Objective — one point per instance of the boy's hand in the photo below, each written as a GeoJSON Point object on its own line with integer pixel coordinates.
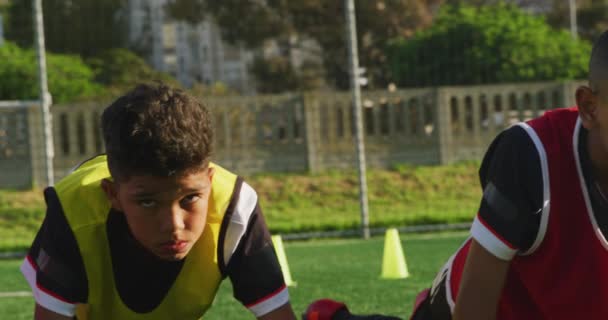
{"type": "Point", "coordinates": [282, 313]}
{"type": "Point", "coordinates": [327, 309]}
{"type": "Point", "coordinates": [41, 313]}
{"type": "Point", "coordinates": [324, 309]}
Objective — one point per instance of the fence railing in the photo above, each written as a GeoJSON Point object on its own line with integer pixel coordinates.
{"type": "Point", "coordinates": [16, 142]}
{"type": "Point", "coordinates": [301, 132]}
{"type": "Point", "coordinates": [473, 116]}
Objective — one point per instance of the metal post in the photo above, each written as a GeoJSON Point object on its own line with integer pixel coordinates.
{"type": "Point", "coordinates": [1, 33]}
{"type": "Point", "coordinates": [353, 56]}
{"type": "Point", "coordinates": [45, 97]}
{"type": "Point", "coordinates": [573, 24]}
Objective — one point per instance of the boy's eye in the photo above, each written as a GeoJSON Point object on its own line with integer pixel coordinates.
{"type": "Point", "coordinates": [191, 198]}
{"type": "Point", "coordinates": [147, 203]}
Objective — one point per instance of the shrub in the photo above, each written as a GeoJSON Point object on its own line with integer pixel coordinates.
{"type": "Point", "coordinates": [489, 44]}
{"type": "Point", "coordinates": [69, 77]}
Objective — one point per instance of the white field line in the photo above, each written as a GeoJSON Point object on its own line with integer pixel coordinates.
{"type": "Point", "coordinates": [403, 237]}
{"type": "Point", "coordinates": [14, 294]}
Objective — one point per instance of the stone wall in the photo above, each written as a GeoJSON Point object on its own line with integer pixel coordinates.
{"type": "Point", "coordinates": [301, 132]}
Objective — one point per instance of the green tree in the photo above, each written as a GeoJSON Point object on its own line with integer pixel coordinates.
{"type": "Point", "coordinates": [120, 70]}
{"type": "Point", "coordinates": [592, 17]}
{"type": "Point", "coordinates": [488, 44]}
{"type": "Point", "coordinates": [84, 27]}
{"type": "Point", "coordinates": [69, 77]}
{"type": "Point", "coordinates": [274, 75]}
{"type": "Point", "coordinates": [252, 22]}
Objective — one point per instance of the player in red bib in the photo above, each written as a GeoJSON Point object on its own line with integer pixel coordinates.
{"type": "Point", "coordinates": [538, 247]}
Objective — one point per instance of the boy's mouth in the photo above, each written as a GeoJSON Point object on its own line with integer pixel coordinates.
{"type": "Point", "coordinates": [175, 246]}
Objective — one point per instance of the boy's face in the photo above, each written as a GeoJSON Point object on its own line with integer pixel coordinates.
{"type": "Point", "coordinates": [593, 108]}
{"type": "Point", "coordinates": [166, 215]}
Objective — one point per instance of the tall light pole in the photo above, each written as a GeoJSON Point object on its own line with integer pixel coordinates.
{"type": "Point", "coordinates": [45, 97]}
{"type": "Point", "coordinates": [573, 24]}
{"type": "Point", "coordinates": [1, 33]}
{"type": "Point", "coordinates": [351, 30]}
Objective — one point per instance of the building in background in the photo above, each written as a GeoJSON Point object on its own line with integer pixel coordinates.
{"type": "Point", "coordinates": [191, 53]}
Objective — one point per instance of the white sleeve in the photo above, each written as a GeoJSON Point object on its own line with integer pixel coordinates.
{"type": "Point", "coordinates": [44, 297]}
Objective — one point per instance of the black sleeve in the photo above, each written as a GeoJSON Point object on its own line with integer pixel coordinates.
{"type": "Point", "coordinates": [55, 257]}
{"type": "Point", "coordinates": [511, 179]}
{"type": "Point", "coordinates": [254, 269]}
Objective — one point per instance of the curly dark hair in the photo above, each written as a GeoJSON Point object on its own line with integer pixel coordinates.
{"type": "Point", "coordinates": [156, 130]}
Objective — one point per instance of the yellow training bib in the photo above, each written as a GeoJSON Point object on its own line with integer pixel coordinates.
{"type": "Point", "coordinates": [86, 208]}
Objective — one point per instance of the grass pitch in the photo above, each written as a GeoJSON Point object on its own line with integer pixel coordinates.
{"type": "Point", "coordinates": [345, 270]}
{"type": "Point", "coordinates": [297, 202]}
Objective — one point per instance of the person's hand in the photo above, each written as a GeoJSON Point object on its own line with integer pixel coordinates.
{"type": "Point", "coordinates": [324, 309]}
{"type": "Point", "coordinates": [327, 309]}
{"type": "Point", "coordinates": [41, 313]}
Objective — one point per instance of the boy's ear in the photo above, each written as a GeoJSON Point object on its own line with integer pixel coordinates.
{"type": "Point", "coordinates": [210, 173]}
{"type": "Point", "coordinates": [586, 101]}
{"type": "Point", "coordinates": [111, 190]}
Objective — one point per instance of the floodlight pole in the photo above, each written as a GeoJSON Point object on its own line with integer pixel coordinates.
{"type": "Point", "coordinates": [573, 22]}
{"type": "Point", "coordinates": [353, 56]}
{"type": "Point", "coordinates": [45, 96]}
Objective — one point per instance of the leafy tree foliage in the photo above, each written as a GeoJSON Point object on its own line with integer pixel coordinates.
{"type": "Point", "coordinates": [120, 70]}
{"type": "Point", "coordinates": [84, 27]}
{"type": "Point", "coordinates": [68, 76]}
{"type": "Point", "coordinates": [252, 22]}
{"type": "Point", "coordinates": [487, 44]}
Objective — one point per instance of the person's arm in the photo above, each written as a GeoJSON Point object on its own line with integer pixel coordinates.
{"type": "Point", "coordinates": [482, 282]}
{"type": "Point", "coordinates": [248, 258]}
{"type": "Point", "coordinates": [507, 223]}
{"type": "Point", "coordinates": [53, 266]}
{"type": "Point", "coordinates": [284, 312]}
{"type": "Point", "coordinates": [41, 313]}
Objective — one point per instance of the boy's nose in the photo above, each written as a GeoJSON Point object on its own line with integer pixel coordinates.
{"type": "Point", "coordinates": [173, 220]}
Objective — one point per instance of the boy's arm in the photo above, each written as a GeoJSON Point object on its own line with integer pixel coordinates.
{"type": "Point", "coordinates": [507, 223]}
{"type": "Point", "coordinates": [53, 266]}
{"type": "Point", "coordinates": [284, 312]}
{"type": "Point", "coordinates": [248, 258]}
{"type": "Point", "coordinates": [482, 282]}
{"type": "Point", "coordinates": [41, 313]}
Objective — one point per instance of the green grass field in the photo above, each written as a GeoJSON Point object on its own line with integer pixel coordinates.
{"type": "Point", "coordinates": [346, 270]}
{"type": "Point", "coordinates": [405, 195]}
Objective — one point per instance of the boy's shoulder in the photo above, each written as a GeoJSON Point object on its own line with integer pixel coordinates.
{"type": "Point", "coordinates": [230, 181]}
{"type": "Point", "coordinates": [80, 193]}
{"type": "Point", "coordinates": [221, 172]}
